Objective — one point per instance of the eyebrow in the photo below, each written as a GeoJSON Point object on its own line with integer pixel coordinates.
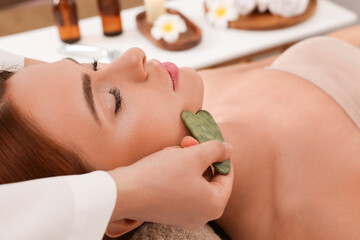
{"type": "Point", "coordinates": [88, 94]}
{"type": "Point", "coordinates": [72, 59]}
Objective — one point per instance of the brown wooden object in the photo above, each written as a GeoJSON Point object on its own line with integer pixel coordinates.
{"type": "Point", "coordinates": [268, 21]}
{"type": "Point", "coordinates": [188, 39]}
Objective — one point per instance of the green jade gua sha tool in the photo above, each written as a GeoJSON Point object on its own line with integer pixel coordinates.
{"type": "Point", "coordinates": [204, 128]}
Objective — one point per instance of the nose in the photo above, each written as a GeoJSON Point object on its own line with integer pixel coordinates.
{"type": "Point", "coordinates": [131, 64]}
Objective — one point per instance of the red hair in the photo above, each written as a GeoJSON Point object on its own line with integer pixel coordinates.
{"type": "Point", "coordinates": [25, 150]}
{"type": "Point", "coordinates": [27, 153]}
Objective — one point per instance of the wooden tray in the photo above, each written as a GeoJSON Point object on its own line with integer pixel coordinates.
{"type": "Point", "coordinates": [267, 21]}
{"type": "Point", "coordinates": [188, 39]}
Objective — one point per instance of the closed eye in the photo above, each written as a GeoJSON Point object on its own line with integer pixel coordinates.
{"type": "Point", "coordinates": [118, 98]}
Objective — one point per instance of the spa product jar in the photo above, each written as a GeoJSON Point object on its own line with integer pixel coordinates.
{"type": "Point", "coordinates": [66, 18]}
{"type": "Point", "coordinates": [109, 11]}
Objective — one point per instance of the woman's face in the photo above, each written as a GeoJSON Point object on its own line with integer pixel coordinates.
{"type": "Point", "coordinates": [76, 105]}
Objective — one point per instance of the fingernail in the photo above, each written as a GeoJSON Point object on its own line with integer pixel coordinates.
{"type": "Point", "coordinates": [228, 147]}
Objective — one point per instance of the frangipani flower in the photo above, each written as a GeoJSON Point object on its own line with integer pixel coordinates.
{"type": "Point", "coordinates": [263, 5]}
{"type": "Point", "coordinates": [288, 8]}
{"type": "Point", "coordinates": [208, 3]}
{"type": "Point", "coordinates": [168, 27]}
{"type": "Point", "coordinates": [245, 7]}
{"type": "Point", "coordinates": [221, 12]}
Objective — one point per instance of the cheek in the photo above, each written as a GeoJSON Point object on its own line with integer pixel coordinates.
{"type": "Point", "coordinates": [157, 130]}
{"type": "Point", "coordinates": [148, 128]}
{"type": "Point", "coordinates": [141, 143]}
{"type": "Point", "coordinates": [150, 120]}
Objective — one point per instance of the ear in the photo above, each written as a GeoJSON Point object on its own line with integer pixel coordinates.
{"type": "Point", "coordinates": [120, 227]}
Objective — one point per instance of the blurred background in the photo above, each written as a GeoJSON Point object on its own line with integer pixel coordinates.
{"type": "Point", "coordinates": [23, 15]}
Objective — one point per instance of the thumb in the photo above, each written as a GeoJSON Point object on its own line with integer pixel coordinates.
{"type": "Point", "coordinates": [209, 152]}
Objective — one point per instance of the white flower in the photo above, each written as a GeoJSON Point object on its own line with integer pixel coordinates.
{"type": "Point", "coordinates": [221, 12]}
{"type": "Point", "coordinates": [208, 3]}
{"type": "Point", "coordinates": [245, 7]}
{"type": "Point", "coordinates": [262, 5]}
{"type": "Point", "coordinates": [168, 27]}
{"type": "Point", "coordinates": [288, 8]}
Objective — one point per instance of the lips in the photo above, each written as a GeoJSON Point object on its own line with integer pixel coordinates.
{"type": "Point", "coordinates": [173, 71]}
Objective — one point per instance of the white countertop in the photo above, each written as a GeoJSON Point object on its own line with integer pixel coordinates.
{"type": "Point", "coordinates": [218, 45]}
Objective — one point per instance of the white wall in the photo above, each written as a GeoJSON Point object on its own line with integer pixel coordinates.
{"type": "Point", "coordinates": [353, 5]}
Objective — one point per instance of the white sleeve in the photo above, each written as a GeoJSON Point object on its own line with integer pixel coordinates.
{"type": "Point", "coordinates": [10, 61]}
{"type": "Point", "coordinates": [68, 207]}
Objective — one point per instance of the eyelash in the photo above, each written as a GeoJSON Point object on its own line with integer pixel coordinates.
{"type": "Point", "coordinates": [114, 91]}
{"type": "Point", "coordinates": [95, 64]}
{"type": "Point", "coordinates": [118, 98]}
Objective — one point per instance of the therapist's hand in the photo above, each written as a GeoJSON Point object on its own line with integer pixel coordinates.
{"type": "Point", "coordinates": [168, 186]}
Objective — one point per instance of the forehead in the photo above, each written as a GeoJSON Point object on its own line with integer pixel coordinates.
{"type": "Point", "coordinates": [41, 85]}
{"type": "Point", "coordinates": [51, 95]}
{"type": "Point", "coordinates": [57, 75]}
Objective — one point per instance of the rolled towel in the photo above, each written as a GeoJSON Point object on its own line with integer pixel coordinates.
{"type": "Point", "coordinates": [10, 61]}
{"type": "Point", "coordinates": [245, 7]}
{"type": "Point", "coordinates": [288, 8]}
{"type": "Point", "coordinates": [154, 231]}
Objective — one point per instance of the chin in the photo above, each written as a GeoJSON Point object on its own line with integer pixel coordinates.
{"type": "Point", "coordinates": [193, 88]}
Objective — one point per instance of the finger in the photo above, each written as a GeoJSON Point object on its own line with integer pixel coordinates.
{"type": "Point", "coordinates": [223, 184]}
{"type": "Point", "coordinates": [209, 152]}
{"type": "Point", "coordinates": [173, 147]}
{"type": "Point", "coordinates": [188, 141]}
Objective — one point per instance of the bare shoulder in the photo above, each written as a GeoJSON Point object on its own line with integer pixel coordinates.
{"type": "Point", "coordinates": [299, 145]}
{"type": "Point", "coordinates": [215, 73]}
{"type": "Point", "coordinates": [316, 171]}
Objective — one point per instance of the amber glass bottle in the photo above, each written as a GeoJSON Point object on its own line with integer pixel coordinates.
{"type": "Point", "coordinates": [110, 16]}
{"type": "Point", "coordinates": [66, 18]}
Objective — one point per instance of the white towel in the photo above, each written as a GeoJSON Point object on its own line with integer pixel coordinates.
{"type": "Point", "coordinates": [11, 62]}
